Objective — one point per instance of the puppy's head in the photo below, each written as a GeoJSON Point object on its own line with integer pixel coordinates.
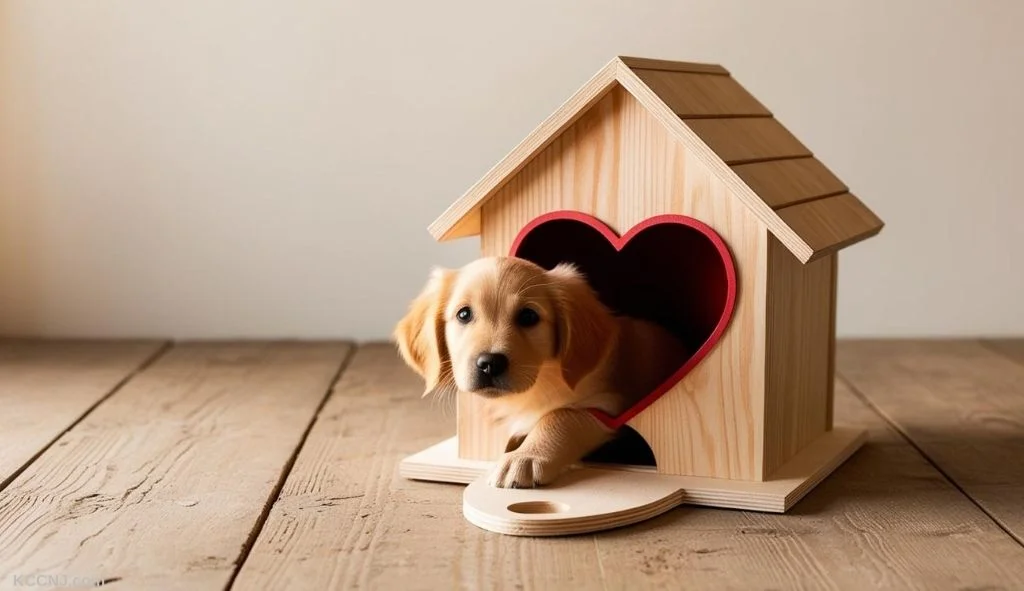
{"type": "Point", "coordinates": [491, 325]}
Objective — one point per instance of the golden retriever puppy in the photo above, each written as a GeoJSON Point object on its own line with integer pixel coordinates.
{"type": "Point", "coordinates": [540, 347]}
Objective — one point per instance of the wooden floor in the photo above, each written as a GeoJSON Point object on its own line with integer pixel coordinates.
{"type": "Point", "coordinates": [150, 465]}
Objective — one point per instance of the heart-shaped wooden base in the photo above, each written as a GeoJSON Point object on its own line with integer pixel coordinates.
{"type": "Point", "coordinates": [582, 501]}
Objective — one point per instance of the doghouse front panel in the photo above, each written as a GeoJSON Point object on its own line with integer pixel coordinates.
{"type": "Point", "coordinates": [618, 164]}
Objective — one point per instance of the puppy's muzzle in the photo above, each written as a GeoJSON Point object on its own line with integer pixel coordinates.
{"type": "Point", "coordinates": [492, 365]}
{"type": "Point", "coordinates": [490, 369]}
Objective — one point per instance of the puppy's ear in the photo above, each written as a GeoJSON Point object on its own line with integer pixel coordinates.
{"type": "Point", "coordinates": [585, 326]}
{"type": "Point", "coordinates": [420, 333]}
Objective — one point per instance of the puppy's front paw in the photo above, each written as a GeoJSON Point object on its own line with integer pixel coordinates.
{"type": "Point", "coordinates": [520, 470]}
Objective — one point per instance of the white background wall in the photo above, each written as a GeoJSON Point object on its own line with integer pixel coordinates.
{"type": "Point", "coordinates": [212, 168]}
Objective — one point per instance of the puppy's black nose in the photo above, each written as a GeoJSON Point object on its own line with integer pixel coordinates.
{"type": "Point", "coordinates": [492, 364]}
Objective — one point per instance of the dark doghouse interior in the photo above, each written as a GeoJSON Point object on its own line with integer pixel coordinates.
{"type": "Point", "coordinates": [627, 448]}
{"type": "Point", "coordinates": [668, 273]}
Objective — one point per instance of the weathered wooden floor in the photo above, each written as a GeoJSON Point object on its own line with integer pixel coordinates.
{"type": "Point", "coordinates": [149, 465]}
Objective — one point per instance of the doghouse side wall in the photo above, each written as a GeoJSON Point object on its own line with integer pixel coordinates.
{"type": "Point", "coordinates": [799, 362]}
{"type": "Point", "coordinates": [620, 165]}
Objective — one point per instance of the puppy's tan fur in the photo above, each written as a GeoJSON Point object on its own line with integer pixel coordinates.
{"type": "Point", "coordinates": [577, 356]}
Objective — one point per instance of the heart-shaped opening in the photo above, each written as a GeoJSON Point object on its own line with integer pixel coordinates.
{"type": "Point", "coordinates": [670, 269]}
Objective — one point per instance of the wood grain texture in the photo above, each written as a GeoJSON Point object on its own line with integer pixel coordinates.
{"type": "Point", "coordinates": [45, 386]}
{"type": "Point", "coordinates": [346, 520]}
{"type": "Point", "coordinates": [961, 403]}
{"type": "Point", "coordinates": [738, 141]}
{"type": "Point", "coordinates": [885, 520]}
{"type": "Point", "coordinates": [833, 223]}
{"type": "Point", "coordinates": [787, 182]}
{"type": "Point", "coordinates": [673, 66]}
{"type": "Point", "coordinates": [702, 95]}
{"type": "Point", "coordinates": [798, 343]}
{"type": "Point", "coordinates": [450, 224]}
{"type": "Point", "coordinates": [619, 164]}
{"type": "Point", "coordinates": [161, 486]}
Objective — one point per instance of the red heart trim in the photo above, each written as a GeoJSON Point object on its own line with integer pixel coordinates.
{"type": "Point", "coordinates": [700, 252]}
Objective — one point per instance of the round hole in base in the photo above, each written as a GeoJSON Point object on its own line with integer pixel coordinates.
{"type": "Point", "coordinates": [536, 507]}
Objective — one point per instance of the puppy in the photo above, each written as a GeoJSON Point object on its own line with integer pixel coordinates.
{"type": "Point", "coordinates": [540, 347]}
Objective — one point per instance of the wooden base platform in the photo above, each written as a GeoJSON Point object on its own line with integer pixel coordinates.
{"type": "Point", "coordinates": [626, 494]}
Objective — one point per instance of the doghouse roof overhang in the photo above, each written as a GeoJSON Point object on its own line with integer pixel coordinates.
{"type": "Point", "coordinates": [801, 202]}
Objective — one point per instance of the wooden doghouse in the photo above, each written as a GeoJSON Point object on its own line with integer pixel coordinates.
{"type": "Point", "coordinates": [670, 180]}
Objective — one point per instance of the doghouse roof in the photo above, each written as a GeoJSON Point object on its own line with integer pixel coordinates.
{"type": "Point", "coordinates": [802, 203]}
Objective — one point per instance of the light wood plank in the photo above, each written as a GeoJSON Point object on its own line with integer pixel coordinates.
{"type": "Point", "coordinates": [787, 182]}
{"type": "Point", "coordinates": [885, 520]}
{"type": "Point", "coordinates": [799, 317]}
{"type": "Point", "coordinates": [672, 66]}
{"type": "Point", "coordinates": [830, 224]}
{"type": "Point", "coordinates": [162, 485]}
{"type": "Point", "coordinates": [620, 164]}
{"type": "Point", "coordinates": [961, 403]}
{"type": "Point", "coordinates": [346, 520]}
{"type": "Point", "coordinates": [736, 141]}
{"type": "Point", "coordinates": [45, 386]}
{"type": "Point", "coordinates": [702, 95]}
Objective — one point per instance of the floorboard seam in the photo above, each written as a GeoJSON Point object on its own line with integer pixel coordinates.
{"type": "Point", "coordinates": [286, 470]}
{"type": "Point", "coordinates": [146, 363]}
{"type": "Point", "coordinates": [600, 565]}
{"type": "Point", "coordinates": [906, 437]}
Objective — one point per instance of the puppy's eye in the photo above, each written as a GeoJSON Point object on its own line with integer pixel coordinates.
{"type": "Point", "coordinates": [527, 317]}
{"type": "Point", "coordinates": [464, 314]}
